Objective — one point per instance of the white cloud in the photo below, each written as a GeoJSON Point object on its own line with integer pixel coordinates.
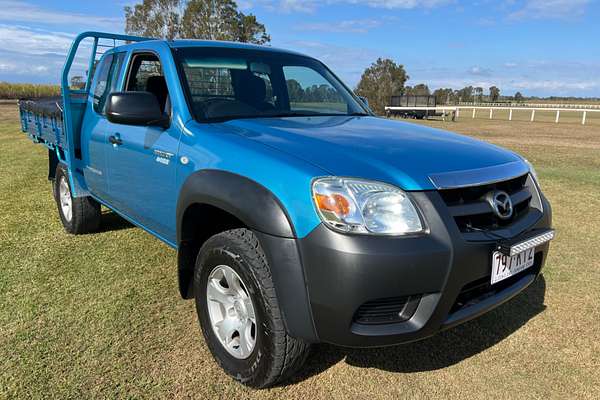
{"type": "Point", "coordinates": [350, 26]}
{"type": "Point", "coordinates": [30, 66]}
{"type": "Point", "coordinates": [24, 40]}
{"type": "Point", "coordinates": [37, 55]}
{"type": "Point", "coordinates": [290, 6]}
{"type": "Point", "coordinates": [557, 86]}
{"type": "Point", "coordinates": [6, 66]}
{"type": "Point", "coordinates": [18, 11]}
{"type": "Point", "coordinates": [309, 6]}
{"type": "Point", "coordinates": [405, 4]}
{"type": "Point", "coordinates": [480, 71]}
{"type": "Point", "coordinates": [550, 9]}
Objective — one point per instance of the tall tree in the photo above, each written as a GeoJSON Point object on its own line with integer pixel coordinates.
{"type": "Point", "coordinates": [518, 97]}
{"type": "Point", "coordinates": [194, 19]}
{"type": "Point", "coordinates": [479, 94]}
{"type": "Point", "coordinates": [382, 80]}
{"type": "Point", "coordinates": [494, 94]}
{"type": "Point", "coordinates": [154, 18]}
{"type": "Point", "coordinates": [418, 90]}
{"type": "Point", "coordinates": [465, 94]}
{"type": "Point", "coordinates": [444, 96]}
{"type": "Point", "coordinates": [250, 30]}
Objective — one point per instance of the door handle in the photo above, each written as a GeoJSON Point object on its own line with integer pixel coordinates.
{"type": "Point", "coordinates": [115, 140]}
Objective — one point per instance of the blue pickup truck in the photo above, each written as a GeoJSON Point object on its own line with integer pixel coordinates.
{"type": "Point", "coordinates": [298, 216]}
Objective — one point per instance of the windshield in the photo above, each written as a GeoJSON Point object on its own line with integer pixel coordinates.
{"type": "Point", "coordinates": [225, 83]}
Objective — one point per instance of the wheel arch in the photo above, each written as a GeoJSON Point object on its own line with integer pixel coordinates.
{"type": "Point", "coordinates": [212, 201]}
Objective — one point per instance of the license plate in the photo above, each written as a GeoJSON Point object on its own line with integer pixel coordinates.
{"type": "Point", "coordinates": [504, 266]}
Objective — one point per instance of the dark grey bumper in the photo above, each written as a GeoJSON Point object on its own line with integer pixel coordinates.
{"type": "Point", "coordinates": [341, 272]}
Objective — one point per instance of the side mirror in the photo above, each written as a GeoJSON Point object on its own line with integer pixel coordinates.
{"type": "Point", "coordinates": [364, 100]}
{"type": "Point", "coordinates": [135, 108]}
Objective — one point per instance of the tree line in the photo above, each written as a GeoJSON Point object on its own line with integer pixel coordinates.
{"type": "Point", "coordinates": [384, 79]}
{"type": "Point", "coordinates": [310, 94]}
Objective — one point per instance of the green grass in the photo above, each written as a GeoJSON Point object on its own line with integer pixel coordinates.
{"type": "Point", "coordinates": [99, 315]}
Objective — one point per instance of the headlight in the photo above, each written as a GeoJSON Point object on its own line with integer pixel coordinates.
{"type": "Point", "coordinates": [360, 206]}
{"type": "Point", "coordinates": [532, 171]}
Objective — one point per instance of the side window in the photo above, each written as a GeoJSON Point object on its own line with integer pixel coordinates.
{"type": "Point", "coordinates": [144, 69]}
{"type": "Point", "coordinates": [146, 75]}
{"type": "Point", "coordinates": [107, 79]}
{"type": "Point", "coordinates": [101, 79]}
{"type": "Point", "coordinates": [310, 91]}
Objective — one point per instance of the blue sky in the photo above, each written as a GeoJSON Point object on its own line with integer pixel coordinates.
{"type": "Point", "coordinates": [538, 47]}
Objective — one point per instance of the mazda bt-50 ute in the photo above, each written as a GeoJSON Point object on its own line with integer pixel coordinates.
{"type": "Point", "coordinates": [298, 216]}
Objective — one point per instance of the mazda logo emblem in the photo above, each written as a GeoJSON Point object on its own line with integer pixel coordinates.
{"type": "Point", "coordinates": [501, 203]}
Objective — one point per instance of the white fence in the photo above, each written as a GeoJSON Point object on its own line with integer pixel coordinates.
{"type": "Point", "coordinates": [532, 105]}
{"type": "Point", "coordinates": [456, 110]}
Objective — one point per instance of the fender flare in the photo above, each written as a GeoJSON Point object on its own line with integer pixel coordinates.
{"type": "Point", "coordinates": [252, 203]}
{"type": "Point", "coordinates": [260, 210]}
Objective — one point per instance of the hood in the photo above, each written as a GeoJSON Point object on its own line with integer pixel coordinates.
{"type": "Point", "coordinates": [401, 153]}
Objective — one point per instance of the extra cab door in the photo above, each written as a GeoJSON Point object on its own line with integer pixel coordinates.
{"type": "Point", "coordinates": [94, 146]}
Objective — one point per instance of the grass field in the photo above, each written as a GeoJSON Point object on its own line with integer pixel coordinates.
{"type": "Point", "coordinates": [99, 316]}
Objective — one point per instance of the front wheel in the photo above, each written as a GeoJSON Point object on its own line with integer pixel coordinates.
{"type": "Point", "coordinates": [78, 214]}
{"type": "Point", "coordinates": [239, 313]}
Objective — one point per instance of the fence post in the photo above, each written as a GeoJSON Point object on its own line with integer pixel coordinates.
{"type": "Point", "coordinates": [491, 113]}
{"type": "Point", "coordinates": [474, 109]}
{"type": "Point", "coordinates": [510, 115]}
{"type": "Point", "coordinates": [557, 116]}
{"type": "Point", "coordinates": [583, 119]}
{"type": "Point", "coordinates": [532, 115]}
{"type": "Point", "coordinates": [457, 112]}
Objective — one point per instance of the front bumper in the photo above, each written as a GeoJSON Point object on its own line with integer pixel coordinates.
{"type": "Point", "coordinates": [343, 272]}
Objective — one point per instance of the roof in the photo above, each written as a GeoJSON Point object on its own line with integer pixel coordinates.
{"type": "Point", "coordinates": [226, 45]}
{"type": "Point", "coordinates": [180, 43]}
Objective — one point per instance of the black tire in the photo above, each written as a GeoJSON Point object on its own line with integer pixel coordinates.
{"type": "Point", "coordinates": [85, 211]}
{"type": "Point", "coordinates": [276, 356]}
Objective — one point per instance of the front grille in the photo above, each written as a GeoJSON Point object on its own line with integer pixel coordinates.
{"type": "Point", "coordinates": [386, 311]}
{"type": "Point", "coordinates": [472, 212]}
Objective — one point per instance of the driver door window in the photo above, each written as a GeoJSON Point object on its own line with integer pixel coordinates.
{"type": "Point", "coordinates": [146, 75]}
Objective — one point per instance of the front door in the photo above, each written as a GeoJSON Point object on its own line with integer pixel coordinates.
{"type": "Point", "coordinates": [143, 160]}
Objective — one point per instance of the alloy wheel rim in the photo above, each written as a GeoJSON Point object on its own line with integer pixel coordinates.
{"type": "Point", "coordinates": [231, 312]}
{"type": "Point", "coordinates": [66, 203]}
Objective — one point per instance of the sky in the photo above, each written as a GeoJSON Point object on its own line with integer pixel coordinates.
{"type": "Point", "coordinates": [537, 47]}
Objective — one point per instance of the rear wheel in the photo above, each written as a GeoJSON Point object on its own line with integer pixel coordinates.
{"type": "Point", "coordinates": [78, 214]}
{"type": "Point", "coordinates": [239, 313]}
